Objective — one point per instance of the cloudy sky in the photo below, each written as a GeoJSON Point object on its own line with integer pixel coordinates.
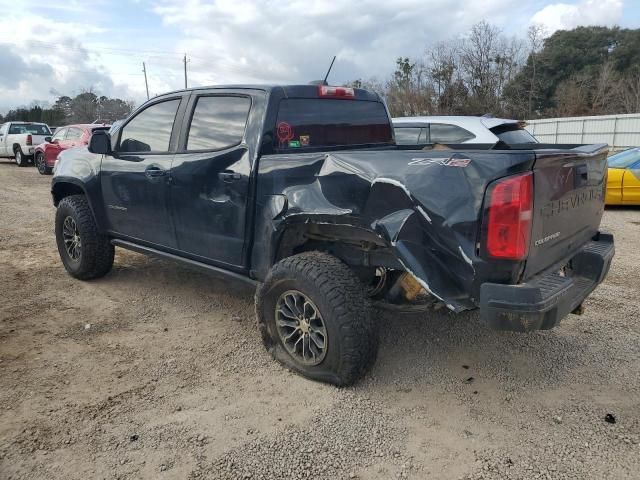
{"type": "Point", "coordinates": [54, 47]}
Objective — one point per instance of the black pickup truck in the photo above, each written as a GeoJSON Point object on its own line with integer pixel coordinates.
{"type": "Point", "coordinates": [302, 191]}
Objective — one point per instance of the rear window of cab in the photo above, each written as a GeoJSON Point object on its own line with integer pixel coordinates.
{"type": "Point", "coordinates": [29, 128]}
{"type": "Point", "coordinates": [322, 122]}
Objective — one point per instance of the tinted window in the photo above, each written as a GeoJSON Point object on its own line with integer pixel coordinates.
{"type": "Point", "coordinates": [410, 135]}
{"type": "Point", "coordinates": [74, 133]}
{"type": "Point", "coordinates": [624, 159]}
{"type": "Point", "coordinates": [444, 133]}
{"type": "Point", "coordinates": [60, 133]}
{"type": "Point", "coordinates": [32, 128]}
{"type": "Point", "coordinates": [218, 122]}
{"type": "Point", "coordinates": [513, 134]}
{"type": "Point", "coordinates": [321, 122]}
{"type": "Point", "coordinates": [150, 130]}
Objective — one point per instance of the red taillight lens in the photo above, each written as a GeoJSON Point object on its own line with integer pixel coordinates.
{"type": "Point", "coordinates": [29, 140]}
{"type": "Point", "coordinates": [509, 218]}
{"type": "Point", "coordinates": [327, 91]}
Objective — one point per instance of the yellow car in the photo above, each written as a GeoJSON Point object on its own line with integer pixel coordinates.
{"type": "Point", "coordinates": [623, 184]}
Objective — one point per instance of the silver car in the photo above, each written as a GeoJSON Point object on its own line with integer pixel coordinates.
{"type": "Point", "coordinates": [458, 129]}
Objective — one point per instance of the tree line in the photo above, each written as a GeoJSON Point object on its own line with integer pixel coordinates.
{"type": "Point", "coordinates": [86, 107]}
{"type": "Point", "coordinates": [584, 71]}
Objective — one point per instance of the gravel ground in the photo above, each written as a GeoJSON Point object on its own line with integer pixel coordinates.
{"type": "Point", "coordinates": [158, 372]}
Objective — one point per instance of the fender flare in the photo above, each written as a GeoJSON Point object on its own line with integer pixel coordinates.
{"type": "Point", "coordinates": [60, 188]}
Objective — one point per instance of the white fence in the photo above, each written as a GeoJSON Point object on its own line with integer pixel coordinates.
{"type": "Point", "coordinates": [619, 131]}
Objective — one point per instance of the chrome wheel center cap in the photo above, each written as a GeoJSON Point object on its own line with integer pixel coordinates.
{"type": "Point", "coordinates": [304, 325]}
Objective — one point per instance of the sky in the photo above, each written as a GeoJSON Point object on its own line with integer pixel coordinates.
{"type": "Point", "coordinates": [59, 47]}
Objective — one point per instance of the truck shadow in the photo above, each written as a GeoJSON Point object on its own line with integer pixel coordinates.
{"type": "Point", "coordinates": [416, 350]}
{"type": "Point", "coordinates": [442, 349]}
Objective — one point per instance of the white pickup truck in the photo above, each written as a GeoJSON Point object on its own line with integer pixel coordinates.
{"type": "Point", "coordinates": [18, 139]}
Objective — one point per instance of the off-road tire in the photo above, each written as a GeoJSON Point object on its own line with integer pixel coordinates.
{"type": "Point", "coordinates": [21, 160]}
{"type": "Point", "coordinates": [96, 257]}
{"type": "Point", "coordinates": [41, 164]}
{"type": "Point", "coordinates": [352, 342]}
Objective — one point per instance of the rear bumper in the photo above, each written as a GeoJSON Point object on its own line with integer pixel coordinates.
{"type": "Point", "coordinates": [541, 302]}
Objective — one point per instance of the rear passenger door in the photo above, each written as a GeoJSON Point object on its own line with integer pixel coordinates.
{"type": "Point", "coordinates": [210, 178]}
{"type": "Point", "coordinates": [54, 147]}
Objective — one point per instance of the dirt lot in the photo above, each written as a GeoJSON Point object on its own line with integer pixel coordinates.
{"type": "Point", "coordinates": [158, 372]}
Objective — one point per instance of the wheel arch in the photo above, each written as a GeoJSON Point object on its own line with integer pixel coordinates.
{"type": "Point", "coordinates": [60, 190]}
{"type": "Point", "coordinates": [66, 187]}
{"type": "Point", "coordinates": [353, 244]}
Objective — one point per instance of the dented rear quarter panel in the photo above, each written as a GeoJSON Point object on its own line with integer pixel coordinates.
{"type": "Point", "coordinates": [426, 209]}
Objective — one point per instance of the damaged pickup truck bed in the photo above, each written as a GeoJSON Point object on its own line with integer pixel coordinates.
{"type": "Point", "coordinates": [302, 190]}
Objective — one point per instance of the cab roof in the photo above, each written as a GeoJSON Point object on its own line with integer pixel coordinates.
{"type": "Point", "coordinates": [295, 90]}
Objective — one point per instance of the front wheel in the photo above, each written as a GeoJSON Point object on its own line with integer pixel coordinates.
{"type": "Point", "coordinates": [84, 251]}
{"type": "Point", "coordinates": [41, 164]}
{"type": "Point", "coordinates": [314, 317]}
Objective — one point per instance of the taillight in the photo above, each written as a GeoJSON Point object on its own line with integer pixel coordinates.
{"type": "Point", "coordinates": [327, 91]}
{"type": "Point", "coordinates": [29, 140]}
{"type": "Point", "coordinates": [509, 217]}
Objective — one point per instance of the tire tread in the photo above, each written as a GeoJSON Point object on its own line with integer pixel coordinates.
{"type": "Point", "coordinates": [97, 251]}
{"type": "Point", "coordinates": [348, 304]}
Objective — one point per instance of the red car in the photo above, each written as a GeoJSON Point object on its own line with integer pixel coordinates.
{"type": "Point", "coordinates": [71, 136]}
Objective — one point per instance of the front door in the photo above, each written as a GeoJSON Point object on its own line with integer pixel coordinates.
{"type": "Point", "coordinates": [135, 178]}
{"type": "Point", "coordinates": [54, 147]}
{"type": "Point", "coordinates": [210, 179]}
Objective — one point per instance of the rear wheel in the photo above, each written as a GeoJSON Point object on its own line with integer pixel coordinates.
{"type": "Point", "coordinates": [41, 164]}
{"type": "Point", "coordinates": [85, 253]}
{"type": "Point", "coordinates": [21, 160]}
{"type": "Point", "coordinates": [314, 317]}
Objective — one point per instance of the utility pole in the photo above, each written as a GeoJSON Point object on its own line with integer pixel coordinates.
{"type": "Point", "coordinates": [146, 84]}
{"type": "Point", "coordinates": [185, 70]}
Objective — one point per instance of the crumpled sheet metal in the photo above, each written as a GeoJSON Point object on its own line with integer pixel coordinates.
{"type": "Point", "coordinates": [424, 208]}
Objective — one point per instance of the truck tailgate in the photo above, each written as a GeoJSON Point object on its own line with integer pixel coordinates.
{"type": "Point", "coordinates": [569, 188]}
{"type": "Point", "coordinates": [38, 139]}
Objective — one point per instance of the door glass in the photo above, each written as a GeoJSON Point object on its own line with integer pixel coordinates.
{"type": "Point", "coordinates": [150, 130]}
{"type": "Point", "coordinates": [407, 135]}
{"type": "Point", "coordinates": [59, 134]}
{"type": "Point", "coordinates": [624, 159]}
{"type": "Point", "coordinates": [74, 133]}
{"type": "Point", "coordinates": [443, 133]}
{"type": "Point", "coordinates": [218, 122]}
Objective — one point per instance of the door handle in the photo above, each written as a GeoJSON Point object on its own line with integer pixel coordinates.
{"type": "Point", "coordinates": [228, 176]}
{"type": "Point", "coordinates": [153, 172]}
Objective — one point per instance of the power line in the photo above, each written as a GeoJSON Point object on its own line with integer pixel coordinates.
{"type": "Point", "coordinates": [107, 49]}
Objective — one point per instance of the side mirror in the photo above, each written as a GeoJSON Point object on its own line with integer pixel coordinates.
{"type": "Point", "coordinates": [47, 139]}
{"type": "Point", "coordinates": [100, 143]}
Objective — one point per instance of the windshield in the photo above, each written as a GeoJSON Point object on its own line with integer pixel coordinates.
{"type": "Point", "coordinates": [624, 159]}
{"type": "Point", "coordinates": [513, 134]}
{"type": "Point", "coordinates": [321, 122]}
{"type": "Point", "coordinates": [31, 128]}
